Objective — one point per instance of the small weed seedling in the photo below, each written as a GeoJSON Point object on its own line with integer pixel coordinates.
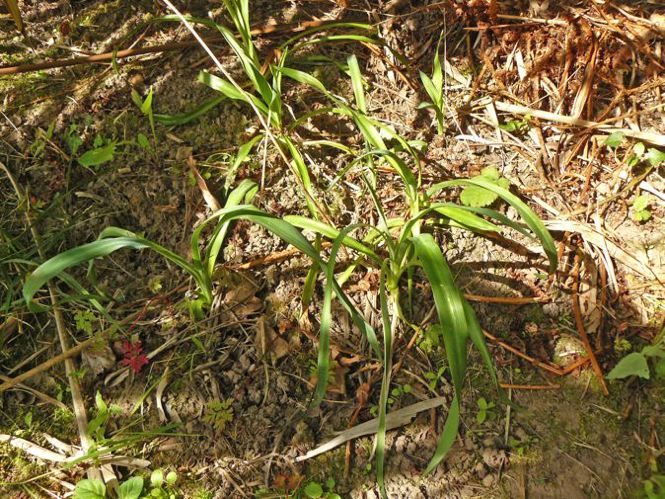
{"type": "Point", "coordinates": [637, 363]}
{"type": "Point", "coordinates": [145, 105]}
{"type": "Point", "coordinates": [433, 378]}
{"type": "Point", "coordinates": [654, 487]}
{"type": "Point", "coordinates": [485, 410]}
{"type": "Point", "coordinates": [640, 211]}
{"type": "Point", "coordinates": [314, 490]}
{"type": "Point", "coordinates": [434, 88]}
{"type": "Point", "coordinates": [517, 126]}
{"type": "Point", "coordinates": [477, 196]}
{"type": "Point", "coordinates": [219, 413]}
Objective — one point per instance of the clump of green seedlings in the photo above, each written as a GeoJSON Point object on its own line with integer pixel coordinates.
{"type": "Point", "coordinates": [485, 410]}
{"type": "Point", "coordinates": [160, 487]}
{"type": "Point", "coordinates": [394, 247]}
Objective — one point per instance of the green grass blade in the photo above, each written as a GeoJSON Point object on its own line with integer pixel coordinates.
{"type": "Point", "coordinates": [385, 383]}
{"type": "Point", "coordinates": [429, 87]}
{"type": "Point", "coordinates": [323, 364]}
{"type": "Point", "coordinates": [302, 171]}
{"type": "Point", "coordinates": [291, 235]}
{"type": "Point", "coordinates": [184, 118]}
{"type": "Point", "coordinates": [501, 218]}
{"type": "Point", "coordinates": [357, 83]}
{"type": "Point", "coordinates": [447, 438]}
{"type": "Point", "coordinates": [118, 233]}
{"type": "Point", "coordinates": [329, 143]}
{"type": "Point", "coordinates": [437, 74]}
{"type": "Point", "coordinates": [338, 38]}
{"type": "Point", "coordinates": [102, 247]}
{"type": "Point", "coordinates": [242, 154]}
{"type": "Point", "coordinates": [54, 266]}
{"type": "Point", "coordinates": [330, 232]}
{"type": "Point", "coordinates": [304, 78]}
{"type": "Point", "coordinates": [369, 130]}
{"type": "Point", "coordinates": [12, 6]}
{"type": "Point", "coordinates": [478, 339]}
{"type": "Point", "coordinates": [240, 195]}
{"type": "Point", "coordinates": [327, 26]}
{"type": "Point", "coordinates": [230, 91]}
{"type": "Point", "coordinates": [529, 217]}
{"type": "Point", "coordinates": [468, 220]}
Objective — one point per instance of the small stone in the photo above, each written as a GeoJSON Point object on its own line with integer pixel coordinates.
{"type": "Point", "coordinates": [480, 470]}
{"type": "Point", "coordinates": [493, 458]}
{"type": "Point", "coordinates": [489, 480]}
{"type": "Point", "coordinates": [400, 444]}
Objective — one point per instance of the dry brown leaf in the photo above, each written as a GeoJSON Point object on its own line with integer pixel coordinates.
{"type": "Point", "coordinates": [268, 342]}
{"type": "Point", "coordinates": [99, 358]}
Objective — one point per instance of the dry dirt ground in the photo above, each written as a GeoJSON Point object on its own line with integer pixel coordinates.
{"type": "Point", "coordinates": [223, 402]}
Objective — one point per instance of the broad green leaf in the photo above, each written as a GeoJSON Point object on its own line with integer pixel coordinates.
{"type": "Point", "coordinates": [90, 489]}
{"type": "Point", "coordinates": [449, 305]}
{"type": "Point", "coordinates": [633, 364]}
{"type": "Point", "coordinates": [313, 490]}
{"type": "Point", "coordinates": [131, 488]}
{"type": "Point", "coordinates": [98, 156]}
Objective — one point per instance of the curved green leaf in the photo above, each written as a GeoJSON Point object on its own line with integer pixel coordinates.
{"type": "Point", "coordinates": [531, 219]}
{"type": "Point", "coordinates": [449, 304]}
{"type": "Point", "coordinates": [183, 118]}
{"type": "Point", "coordinates": [447, 438]}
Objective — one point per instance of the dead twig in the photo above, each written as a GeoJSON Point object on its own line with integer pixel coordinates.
{"type": "Point", "coordinates": [166, 47]}
{"type": "Point", "coordinates": [579, 323]}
